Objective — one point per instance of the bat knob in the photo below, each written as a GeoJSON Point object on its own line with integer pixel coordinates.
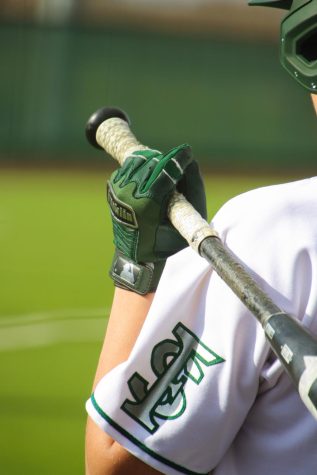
{"type": "Point", "coordinates": [100, 116]}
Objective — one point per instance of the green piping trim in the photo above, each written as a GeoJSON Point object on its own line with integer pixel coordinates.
{"type": "Point", "coordinates": [140, 444]}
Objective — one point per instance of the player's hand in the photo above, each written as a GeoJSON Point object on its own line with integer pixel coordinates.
{"type": "Point", "coordinates": [138, 195]}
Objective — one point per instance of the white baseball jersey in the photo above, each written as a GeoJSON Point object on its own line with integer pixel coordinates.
{"type": "Point", "coordinates": [202, 391]}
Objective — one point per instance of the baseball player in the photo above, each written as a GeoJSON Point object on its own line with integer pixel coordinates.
{"type": "Point", "coordinates": [186, 382]}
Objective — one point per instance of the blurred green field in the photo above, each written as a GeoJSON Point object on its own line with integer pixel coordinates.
{"type": "Point", "coordinates": [55, 241]}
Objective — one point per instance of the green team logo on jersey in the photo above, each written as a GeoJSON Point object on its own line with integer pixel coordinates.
{"type": "Point", "coordinates": [175, 363]}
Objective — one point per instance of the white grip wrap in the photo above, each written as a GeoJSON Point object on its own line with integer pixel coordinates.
{"type": "Point", "coordinates": [115, 137]}
{"type": "Point", "coordinates": [188, 221]}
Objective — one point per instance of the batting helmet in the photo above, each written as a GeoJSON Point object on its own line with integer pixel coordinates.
{"type": "Point", "coordinates": [298, 42]}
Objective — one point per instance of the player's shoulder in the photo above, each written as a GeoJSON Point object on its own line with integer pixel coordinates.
{"type": "Point", "coordinates": [282, 195]}
{"type": "Point", "coordinates": [274, 206]}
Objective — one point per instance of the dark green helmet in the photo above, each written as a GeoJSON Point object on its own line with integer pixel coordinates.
{"type": "Point", "coordinates": [298, 47]}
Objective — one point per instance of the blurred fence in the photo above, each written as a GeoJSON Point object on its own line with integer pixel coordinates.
{"type": "Point", "coordinates": [228, 98]}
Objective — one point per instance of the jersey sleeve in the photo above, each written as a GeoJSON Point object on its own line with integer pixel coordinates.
{"type": "Point", "coordinates": [180, 399]}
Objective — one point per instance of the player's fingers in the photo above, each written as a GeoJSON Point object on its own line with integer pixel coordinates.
{"type": "Point", "coordinates": [129, 168]}
{"type": "Point", "coordinates": [192, 187]}
{"type": "Point", "coordinates": [174, 162]}
{"type": "Point", "coordinates": [165, 171]}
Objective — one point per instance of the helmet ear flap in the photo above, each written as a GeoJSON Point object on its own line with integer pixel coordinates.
{"type": "Point", "coordinates": [298, 52]}
{"type": "Point", "coordinates": [298, 43]}
{"type": "Point", "coordinates": [284, 4]}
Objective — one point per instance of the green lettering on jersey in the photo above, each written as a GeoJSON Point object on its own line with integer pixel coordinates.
{"type": "Point", "coordinates": [175, 363]}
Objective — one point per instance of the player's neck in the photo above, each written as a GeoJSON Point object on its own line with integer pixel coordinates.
{"type": "Point", "coordinates": [314, 98]}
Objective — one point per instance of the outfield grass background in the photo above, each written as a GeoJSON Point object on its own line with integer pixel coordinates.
{"type": "Point", "coordinates": [227, 96]}
{"type": "Point", "coordinates": [55, 241]}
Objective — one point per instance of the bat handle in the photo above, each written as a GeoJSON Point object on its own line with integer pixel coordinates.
{"type": "Point", "coordinates": [114, 135]}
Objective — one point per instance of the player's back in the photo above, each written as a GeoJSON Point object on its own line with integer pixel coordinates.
{"type": "Point", "coordinates": [273, 230]}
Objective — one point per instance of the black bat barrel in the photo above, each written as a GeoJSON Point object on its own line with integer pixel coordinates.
{"type": "Point", "coordinates": [297, 348]}
{"type": "Point", "coordinates": [293, 344]}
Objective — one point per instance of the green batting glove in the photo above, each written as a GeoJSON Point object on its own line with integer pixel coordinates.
{"type": "Point", "coordinates": [138, 195]}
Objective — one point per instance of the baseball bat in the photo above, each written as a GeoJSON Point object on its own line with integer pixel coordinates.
{"type": "Point", "coordinates": [293, 344]}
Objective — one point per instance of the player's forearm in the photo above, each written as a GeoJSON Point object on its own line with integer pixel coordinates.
{"type": "Point", "coordinates": [129, 310]}
{"type": "Point", "coordinates": [127, 316]}
{"type": "Point", "coordinates": [107, 457]}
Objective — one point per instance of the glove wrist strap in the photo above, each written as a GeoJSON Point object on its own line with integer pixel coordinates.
{"type": "Point", "coordinates": [137, 277]}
